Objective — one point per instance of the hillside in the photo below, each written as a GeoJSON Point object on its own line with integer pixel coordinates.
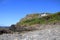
{"type": "Point", "coordinates": [33, 19]}
{"type": "Point", "coordinates": [31, 22]}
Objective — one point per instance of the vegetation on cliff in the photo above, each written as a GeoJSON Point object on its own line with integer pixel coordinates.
{"type": "Point", "coordinates": [33, 22]}
{"type": "Point", "coordinates": [37, 19]}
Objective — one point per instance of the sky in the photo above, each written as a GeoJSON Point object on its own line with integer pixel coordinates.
{"type": "Point", "coordinates": [12, 11]}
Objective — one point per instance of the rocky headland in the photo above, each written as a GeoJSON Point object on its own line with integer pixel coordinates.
{"type": "Point", "coordinates": [43, 26]}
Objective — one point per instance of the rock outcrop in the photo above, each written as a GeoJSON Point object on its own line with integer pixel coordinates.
{"type": "Point", "coordinates": [45, 34]}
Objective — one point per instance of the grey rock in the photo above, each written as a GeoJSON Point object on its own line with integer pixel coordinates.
{"type": "Point", "coordinates": [46, 34]}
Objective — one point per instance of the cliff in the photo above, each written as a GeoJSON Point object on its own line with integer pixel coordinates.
{"type": "Point", "coordinates": [45, 18]}
{"type": "Point", "coordinates": [37, 21]}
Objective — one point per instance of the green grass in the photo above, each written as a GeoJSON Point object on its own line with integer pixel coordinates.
{"type": "Point", "coordinates": [44, 20]}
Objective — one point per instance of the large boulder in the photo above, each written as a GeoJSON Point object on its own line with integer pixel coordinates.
{"type": "Point", "coordinates": [5, 31]}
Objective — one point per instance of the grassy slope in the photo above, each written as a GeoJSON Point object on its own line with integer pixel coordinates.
{"type": "Point", "coordinates": [53, 18]}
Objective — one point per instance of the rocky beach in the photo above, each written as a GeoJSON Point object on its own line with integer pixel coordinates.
{"type": "Point", "coordinates": [52, 33]}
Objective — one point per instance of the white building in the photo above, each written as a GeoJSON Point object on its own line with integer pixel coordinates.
{"type": "Point", "coordinates": [44, 14]}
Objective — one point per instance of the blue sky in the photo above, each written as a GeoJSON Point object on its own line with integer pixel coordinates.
{"type": "Point", "coordinates": [11, 11]}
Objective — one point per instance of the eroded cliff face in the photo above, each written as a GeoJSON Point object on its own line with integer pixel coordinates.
{"type": "Point", "coordinates": [45, 34]}
{"type": "Point", "coordinates": [45, 28]}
